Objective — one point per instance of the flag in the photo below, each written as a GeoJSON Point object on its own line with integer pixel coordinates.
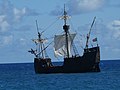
{"type": "Point", "coordinates": [94, 40]}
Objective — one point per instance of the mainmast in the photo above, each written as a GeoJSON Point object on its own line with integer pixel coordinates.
{"type": "Point", "coordinates": [66, 28]}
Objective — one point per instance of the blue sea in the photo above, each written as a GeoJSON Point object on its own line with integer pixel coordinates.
{"type": "Point", "coordinates": [21, 76]}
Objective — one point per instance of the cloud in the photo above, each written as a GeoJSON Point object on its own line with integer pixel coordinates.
{"type": "Point", "coordinates": [108, 35]}
{"type": "Point", "coordinates": [20, 13]}
{"type": "Point", "coordinates": [110, 38]}
{"type": "Point", "coordinates": [31, 12]}
{"type": "Point", "coordinates": [112, 3]}
{"type": "Point", "coordinates": [10, 15]}
{"type": "Point", "coordinates": [80, 6]}
{"type": "Point", "coordinates": [6, 40]}
{"type": "Point", "coordinates": [11, 20]}
{"type": "Point", "coordinates": [114, 26]}
{"type": "Point", "coordinates": [4, 25]}
{"type": "Point", "coordinates": [84, 6]}
{"type": "Point", "coordinates": [57, 11]}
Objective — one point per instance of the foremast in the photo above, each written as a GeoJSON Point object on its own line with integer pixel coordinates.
{"type": "Point", "coordinates": [40, 46]}
{"type": "Point", "coordinates": [40, 51]}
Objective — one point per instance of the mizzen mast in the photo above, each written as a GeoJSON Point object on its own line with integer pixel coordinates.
{"type": "Point", "coordinates": [88, 35]}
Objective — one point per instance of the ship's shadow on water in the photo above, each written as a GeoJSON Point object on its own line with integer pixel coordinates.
{"type": "Point", "coordinates": [23, 77]}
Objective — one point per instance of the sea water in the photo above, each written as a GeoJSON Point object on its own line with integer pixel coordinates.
{"type": "Point", "coordinates": [22, 77]}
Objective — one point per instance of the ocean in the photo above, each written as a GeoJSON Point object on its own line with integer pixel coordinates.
{"type": "Point", "coordinates": [21, 76]}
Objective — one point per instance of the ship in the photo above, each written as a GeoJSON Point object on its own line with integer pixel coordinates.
{"type": "Point", "coordinates": [72, 63]}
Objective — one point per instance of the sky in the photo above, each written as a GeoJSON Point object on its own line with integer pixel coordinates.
{"type": "Point", "coordinates": [17, 25]}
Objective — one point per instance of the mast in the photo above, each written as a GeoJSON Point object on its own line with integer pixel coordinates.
{"type": "Point", "coordinates": [66, 28]}
{"type": "Point", "coordinates": [40, 46]}
{"type": "Point", "coordinates": [40, 51]}
{"type": "Point", "coordinates": [88, 35]}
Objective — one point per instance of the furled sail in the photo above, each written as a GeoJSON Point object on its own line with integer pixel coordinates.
{"type": "Point", "coordinates": [39, 40]}
{"type": "Point", "coordinates": [60, 44]}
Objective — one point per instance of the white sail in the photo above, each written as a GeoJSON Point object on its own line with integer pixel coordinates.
{"type": "Point", "coordinates": [60, 44]}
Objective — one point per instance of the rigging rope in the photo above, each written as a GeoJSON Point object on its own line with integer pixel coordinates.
{"type": "Point", "coordinates": [76, 32]}
{"type": "Point", "coordinates": [74, 47]}
{"type": "Point", "coordinates": [49, 25]}
{"type": "Point", "coordinates": [45, 48]}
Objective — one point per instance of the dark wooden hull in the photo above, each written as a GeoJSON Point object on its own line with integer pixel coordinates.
{"type": "Point", "coordinates": [89, 62]}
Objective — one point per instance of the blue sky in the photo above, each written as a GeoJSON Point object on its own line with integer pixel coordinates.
{"type": "Point", "coordinates": [17, 25]}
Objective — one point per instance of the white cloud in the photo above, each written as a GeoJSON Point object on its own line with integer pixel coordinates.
{"type": "Point", "coordinates": [90, 5]}
{"type": "Point", "coordinates": [23, 41]}
{"type": "Point", "coordinates": [84, 6]}
{"type": "Point", "coordinates": [116, 49]}
{"type": "Point", "coordinates": [80, 6]}
{"type": "Point", "coordinates": [4, 25]}
{"type": "Point", "coordinates": [19, 13]}
{"type": "Point", "coordinates": [114, 26]}
{"type": "Point", "coordinates": [108, 37]}
{"type": "Point", "coordinates": [11, 15]}
{"type": "Point", "coordinates": [12, 24]}
{"type": "Point", "coordinates": [6, 40]}
{"type": "Point", "coordinates": [2, 18]}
